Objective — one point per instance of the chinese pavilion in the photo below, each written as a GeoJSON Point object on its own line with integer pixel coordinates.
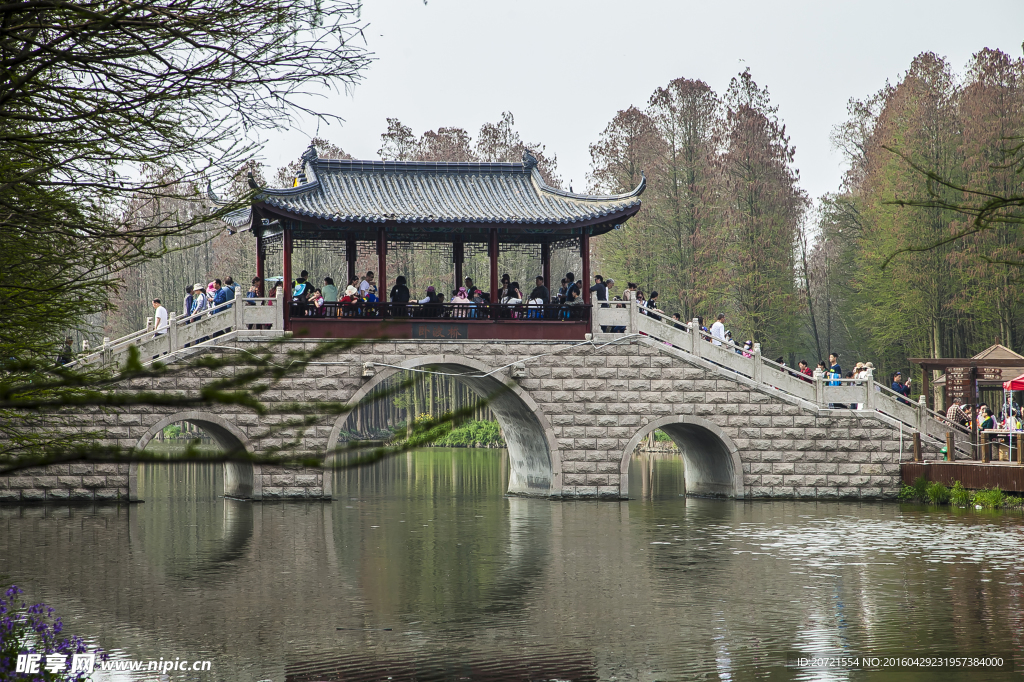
{"type": "Point", "coordinates": [361, 209]}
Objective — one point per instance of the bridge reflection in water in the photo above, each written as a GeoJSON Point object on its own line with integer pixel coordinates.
{"type": "Point", "coordinates": [421, 569]}
{"type": "Point", "coordinates": [655, 475]}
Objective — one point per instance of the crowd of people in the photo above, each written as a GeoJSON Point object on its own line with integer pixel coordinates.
{"type": "Point", "coordinates": [361, 298]}
{"type": "Point", "coordinates": [1007, 418]}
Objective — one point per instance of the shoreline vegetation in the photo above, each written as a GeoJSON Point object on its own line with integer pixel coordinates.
{"type": "Point", "coordinates": [935, 493]}
{"type": "Point", "coordinates": [477, 433]}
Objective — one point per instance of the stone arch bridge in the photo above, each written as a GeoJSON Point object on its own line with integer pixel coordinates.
{"type": "Point", "coordinates": [572, 414]}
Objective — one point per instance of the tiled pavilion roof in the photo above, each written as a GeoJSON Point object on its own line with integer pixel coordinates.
{"type": "Point", "coordinates": [333, 191]}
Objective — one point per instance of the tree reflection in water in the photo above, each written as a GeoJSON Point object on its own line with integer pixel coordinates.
{"type": "Point", "coordinates": [656, 475]}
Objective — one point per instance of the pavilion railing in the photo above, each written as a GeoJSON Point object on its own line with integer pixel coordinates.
{"type": "Point", "coordinates": [863, 396]}
{"type": "Point", "coordinates": [251, 314]}
{"type": "Point", "coordinates": [455, 312]}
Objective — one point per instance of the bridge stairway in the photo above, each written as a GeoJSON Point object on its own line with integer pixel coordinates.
{"type": "Point", "coordinates": [870, 399]}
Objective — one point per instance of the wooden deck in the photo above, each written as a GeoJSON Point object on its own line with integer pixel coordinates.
{"type": "Point", "coordinates": [1007, 476]}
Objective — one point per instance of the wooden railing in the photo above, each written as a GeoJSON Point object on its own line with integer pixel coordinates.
{"type": "Point", "coordinates": [864, 396]}
{"type": "Point", "coordinates": [187, 331]}
{"type": "Point", "coordinates": [460, 312]}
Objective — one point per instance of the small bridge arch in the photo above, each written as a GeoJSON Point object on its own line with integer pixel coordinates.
{"type": "Point", "coordinates": [711, 460]}
{"type": "Point", "coordinates": [535, 465]}
{"type": "Point", "coordinates": [241, 479]}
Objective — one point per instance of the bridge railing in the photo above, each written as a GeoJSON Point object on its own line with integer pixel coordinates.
{"type": "Point", "coordinates": [182, 332]}
{"type": "Point", "coordinates": [460, 312]}
{"type": "Point", "coordinates": [858, 394]}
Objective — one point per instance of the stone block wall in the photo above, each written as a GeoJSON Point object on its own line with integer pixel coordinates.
{"type": "Point", "coordinates": [75, 482]}
{"type": "Point", "coordinates": [592, 403]}
{"type": "Point", "coordinates": [280, 483]}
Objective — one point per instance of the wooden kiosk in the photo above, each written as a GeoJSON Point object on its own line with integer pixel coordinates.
{"type": "Point", "coordinates": [363, 208]}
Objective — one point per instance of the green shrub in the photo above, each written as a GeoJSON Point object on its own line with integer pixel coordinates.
{"type": "Point", "coordinates": [1013, 502]}
{"type": "Point", "coordinates": [661, 437]}
{"type": "Point", "coordinates": [920, 486]}
{"type": "Point", "coordinates": [937, 493]}
{"type": "Point", "coordinates": [959, 495]}
{"type": "Point", "coordinates": [907, 494]}
{"type": "Point", "coordinates": [989, 499]}
{"type": "Point", "coordinates": [487, 433]}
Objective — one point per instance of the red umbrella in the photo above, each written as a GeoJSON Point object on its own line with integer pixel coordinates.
{"type": "Point", "coordinates": [1008, 388]}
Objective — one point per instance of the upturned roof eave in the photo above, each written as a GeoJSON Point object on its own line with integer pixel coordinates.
{"type": "Point", "coordinates": [610, 219]}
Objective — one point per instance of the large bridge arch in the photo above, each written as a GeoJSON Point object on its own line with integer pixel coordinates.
{"type": "Point", "coordinates": [241, 479]}
{"type": "Point", "coordinates": [535, 464]}
{"type": "Point", "coordinates": [711, 460]}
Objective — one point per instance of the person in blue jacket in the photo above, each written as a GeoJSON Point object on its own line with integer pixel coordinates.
{"type": "Point", "coordinates": [901, 387]}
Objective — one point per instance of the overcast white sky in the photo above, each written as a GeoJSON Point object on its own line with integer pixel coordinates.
{"type": "Point", "coordinates": [563, 68]}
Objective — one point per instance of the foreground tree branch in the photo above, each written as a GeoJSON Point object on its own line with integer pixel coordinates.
{"type": "Point", "coordinates": [29, 412]}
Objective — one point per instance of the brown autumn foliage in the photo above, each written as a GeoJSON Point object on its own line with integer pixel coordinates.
{"type": "Point", "coordinates": [722, 212]}
{"type": "Point", "coordinates": [722, 228]}
{"type": "Point", "coordinates": [901, 259]}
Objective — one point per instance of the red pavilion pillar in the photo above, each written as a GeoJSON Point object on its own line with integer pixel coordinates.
{"type": "Point", "coordinates": [545, 260]}
{"type": "Point", "coordinates": [351, 252]}
{"type": "Point", "coordinates": [260, 266]}
{"type": "Point", "coordinates": [585, 256]}
{"type": "Point", "coordinates": [382, 263]}
{"type": "Point", "coordinates": [493, 252]}
{"type": "Point", "coordinates": [458, 256]}
{"type": "Point", "coordinates": [287, 274]}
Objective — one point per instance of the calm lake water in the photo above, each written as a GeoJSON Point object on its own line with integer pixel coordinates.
{"type": "Point", "coordinates": [421, 570]}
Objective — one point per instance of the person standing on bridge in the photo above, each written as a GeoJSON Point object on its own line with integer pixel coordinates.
{"type": "Point", "coordinates": [229, 290]}
{"type": "Point", "coordinates": [160, 319]}
{"type": "Point", "coordinates": [601, 289]}
{"type": "Point", "coordinates": [718, 330]}
{"type": "Point", "coordinates": [160, 322]}
{"type": "Point", "coordinates": [834, 370]}
{"type": "Point", "coordinates": [901, 387]}
{"type": "Point", "coordinates": [186, 306]}
{"type": "Point", "coordinates": [652, 305]}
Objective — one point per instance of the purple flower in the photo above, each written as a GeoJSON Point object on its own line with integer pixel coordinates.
{"type": "Point", "coordinates": [34, 629]}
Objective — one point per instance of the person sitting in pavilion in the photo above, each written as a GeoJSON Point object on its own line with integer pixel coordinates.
{"type": "Point", "coordinates": [512, 301]}
{"type": "Point", "coordinates": [349, 303]}
{"type": "Point", "coordinates": [370, 301]}
{"type": "Point", "coordinates": [462, 299]}
{"type": "Point", "coordinates": [573, 303]}
{"type": "Point", "coordinates": [538, 299]}
{"type": "Point", "coordinates": [399, 297]}
{"type": "Point", "coordinates": [432, 303]}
